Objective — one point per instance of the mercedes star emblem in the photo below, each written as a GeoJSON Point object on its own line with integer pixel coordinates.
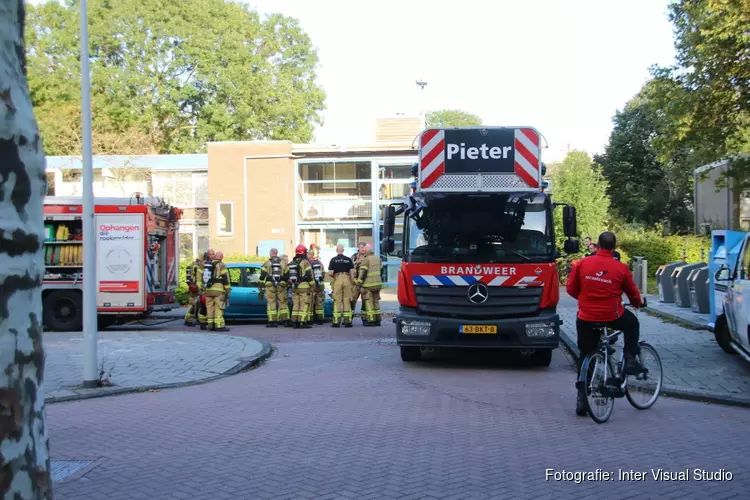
{"type": "Point", "coordinates": [478, 293]}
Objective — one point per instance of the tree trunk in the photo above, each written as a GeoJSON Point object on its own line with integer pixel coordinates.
{"type": "Point", "coordinates": [24, 445]}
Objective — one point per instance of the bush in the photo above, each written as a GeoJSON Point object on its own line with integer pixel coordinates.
{"type": "Point", "coordinates": [181, 294]}
{"type": "Point", "coordinates": [659, 250]}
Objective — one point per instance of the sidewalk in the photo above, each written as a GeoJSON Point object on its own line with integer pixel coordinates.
{"type": "Point", "coordinates": [142, 360]}
{"type": "Point", "coordinates": [695, 367]}
{"type": "Point", "coordinates": [683, 315]}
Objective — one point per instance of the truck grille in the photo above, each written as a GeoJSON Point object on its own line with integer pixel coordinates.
{"type": "Point", "coordinates": [453, 301]}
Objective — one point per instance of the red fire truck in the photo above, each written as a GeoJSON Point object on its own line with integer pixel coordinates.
{"type": "Point", "coordinates": [478, 258]}
{"type": "Point", "coordinates": [137, 242]}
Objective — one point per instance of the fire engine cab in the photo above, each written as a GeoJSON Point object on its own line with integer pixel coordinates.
{"type": "Point", "coordinates": [478, 257]}
{"type": "Point", "coordinates": [137, 242]}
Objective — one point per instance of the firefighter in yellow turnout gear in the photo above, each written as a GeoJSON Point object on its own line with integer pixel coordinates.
{"type": "Point", "coordinates": [318, 288]}
{"type": "Point", "coordinates": [341, 269]}
{"type": "Point", "coordinates": [299, 277]}
{"type": "Point", "coordinates": [368, 278]}
{"type": "Point", "coordinates": [218, 289]}
{"type": "Point", "coordinates": [274, 289]}
{"type": "Point", "coordinates": [200, 302]}
{"type": "Point", "coordinates": [192, 279]}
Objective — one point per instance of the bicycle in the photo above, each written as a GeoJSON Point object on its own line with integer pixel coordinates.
{"type": "Point", "coordinates": [614, 382]}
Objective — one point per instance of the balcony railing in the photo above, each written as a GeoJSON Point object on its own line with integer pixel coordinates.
{"type": "Point", "coordinates": [350, 209]}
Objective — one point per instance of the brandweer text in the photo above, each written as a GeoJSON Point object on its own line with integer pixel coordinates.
{"type": "Point", "coordinates": [472, 270]}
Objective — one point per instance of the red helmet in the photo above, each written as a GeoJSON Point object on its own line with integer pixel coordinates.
{"type": "Point", "coordinates": [301, 249]}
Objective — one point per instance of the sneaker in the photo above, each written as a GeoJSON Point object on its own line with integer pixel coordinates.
{"type": "Point", "coordinates": [581, 409]}
{"type": "Point", "coordinates": [632, 366]}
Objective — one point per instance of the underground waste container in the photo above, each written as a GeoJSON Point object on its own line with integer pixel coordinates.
{"type": "Point", "coordinates": [680, 284]}
{"type": "Point", "coordinates": [666, 287]}
{"type": "Point", "coordinates": [699, 298]}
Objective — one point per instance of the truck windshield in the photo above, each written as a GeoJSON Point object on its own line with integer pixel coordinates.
{"type": "Point", "coordinates": [491, 228]}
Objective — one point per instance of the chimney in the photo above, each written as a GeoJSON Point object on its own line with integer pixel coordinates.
{"type": "Point", "coordinates": [398, 129]}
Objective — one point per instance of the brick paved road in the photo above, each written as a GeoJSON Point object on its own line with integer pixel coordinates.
{"type": "Point", "coordinates": [691, 358]}
{"type": "Point", "coordinates": [141, 358]}
{"type": "Point", "coordinates": [349, 420]}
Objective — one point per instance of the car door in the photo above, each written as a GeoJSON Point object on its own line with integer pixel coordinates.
{"type": "Point", "coordinates": [255, 306]}
{"type": "Point", "coordinates": [738, 299]}
{"type": "Point", "coordinates": [238, 299]}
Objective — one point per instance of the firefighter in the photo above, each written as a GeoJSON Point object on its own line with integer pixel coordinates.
{"type": "Point", "coordinates": [341, 269]}
{"type": "Point", "coordinates": [299, 277]}
{"type": "Point", "coordinates": [274, 289]}
{"type": "Point", "coordinates": [208, 256]}
{"type": "Point", "coordinates": [357, 259]}
{"type": "Point", "coordinates": [217, 292]}
{"type": "Point", "coordinates": [318, 288]}
{"type": "Point", "coordinates": [192, 278]}
{"type": "Point", "coordinates": [368, 278]}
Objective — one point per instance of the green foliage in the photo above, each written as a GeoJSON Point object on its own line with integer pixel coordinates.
{"type": "Point", "coordinates": [452, 118]}
{"type": "Point", "coordinates": [181, 294]}
{"type": "Point", "coordinates": [579, 182]}
{"type": "Point", "coordinates": [659, 250]}
{"type": "Point", "coordinates": [171, 76]}
{"type": "Point", "coordinates": [686, 116]}
{"type": "Point", "coordinates": [642, 188]}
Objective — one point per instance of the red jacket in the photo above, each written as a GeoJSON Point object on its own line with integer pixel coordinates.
{"type": "Point", "coordinates": [598, 282]}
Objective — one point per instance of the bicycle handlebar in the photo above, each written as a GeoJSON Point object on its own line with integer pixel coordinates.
{"type": "Point", "coordinates": [645, 304]}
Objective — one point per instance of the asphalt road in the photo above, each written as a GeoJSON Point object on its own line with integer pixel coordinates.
{"type": "Point", "coordinates": [329, 418]}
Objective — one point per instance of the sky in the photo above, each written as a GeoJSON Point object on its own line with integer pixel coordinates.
{"type": "Point", "coordinates": [562, 66]}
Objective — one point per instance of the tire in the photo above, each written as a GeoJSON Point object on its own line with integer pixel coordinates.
{"type": "Point", "coordinates": [104, 321]}
{"type": "Point", "coordinates": [410, 353]}
{"type": "Point", "coordinates": [542, 357]}
{"type": "Point", "coordinates": [62, 311]}
{"type": "Point", "coordinates": [596, 360]}
{"type": "Point", "coordinates": [721, 334]}
{"type": "Point", "coordinates": [645, 406]}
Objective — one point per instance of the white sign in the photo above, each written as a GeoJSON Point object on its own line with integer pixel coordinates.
{"type": "Point", "coordinates": [120, 260]}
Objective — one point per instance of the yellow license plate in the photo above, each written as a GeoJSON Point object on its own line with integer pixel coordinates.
{"type": "Point", "coordinates": [478, 329]}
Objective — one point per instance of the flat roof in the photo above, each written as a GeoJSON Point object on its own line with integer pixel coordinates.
{"type": "Point", "coordinates": [155, 162]}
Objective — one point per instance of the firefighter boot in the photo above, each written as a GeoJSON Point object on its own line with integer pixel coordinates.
{"type": "Point", "coordinates": [204, 326]}
{"type": "Point", "coordinates": [271, 324]}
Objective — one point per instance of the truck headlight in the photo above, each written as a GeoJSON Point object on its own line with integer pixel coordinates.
{"type": "Point", "coordinates": [409, 327]}
{"type": "Point", "coordinates": [540, 329]}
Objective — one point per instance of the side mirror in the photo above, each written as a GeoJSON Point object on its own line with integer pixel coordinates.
{"type": "Point", "coordinates": [571, 246]}
{"type": "Point", "coordinates": [387, 246]}
{"type": "Point", "coordinates": [389, 221]}
{"type": "Point", "coordinates": [570, 227]}
{"type": "Point", "coordinates": [722, 274]}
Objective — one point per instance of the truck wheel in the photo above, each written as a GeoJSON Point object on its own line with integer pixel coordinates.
{"type": "Point", "coordinates": [410, 353]}
{"type": "Point", "coordinates": [104, 321]}
{"type": "Point", "coordinates": [62, 311]}
{"type": "Point", "coordinates": [542, 357]}
{"type": "Point", "coordinates": [721, 334]}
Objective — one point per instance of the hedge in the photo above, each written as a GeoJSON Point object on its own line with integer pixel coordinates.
{"type": "Point", "coordinates": [655, 248]}
{"type": "Point", "coordinates": [181, 294]}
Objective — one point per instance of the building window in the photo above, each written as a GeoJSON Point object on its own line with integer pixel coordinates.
{"type": "Point", "coordinates": [335, 171]}
{"type": "Point", "coordinates": [225, 222]}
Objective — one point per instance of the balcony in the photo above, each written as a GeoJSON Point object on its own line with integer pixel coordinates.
{"type": "Point", "coordinates": [335, 210]}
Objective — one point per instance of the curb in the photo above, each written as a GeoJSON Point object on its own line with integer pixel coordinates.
{"type": "Point", "coordinates": [244, 365]}
{"type": "Point", "coordinates": [672, 392]}
{"type": "Point", "coordinates": [680, 321]}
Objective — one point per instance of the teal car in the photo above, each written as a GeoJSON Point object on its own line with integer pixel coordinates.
{"type": "Point", "coordinates": [244, 302]}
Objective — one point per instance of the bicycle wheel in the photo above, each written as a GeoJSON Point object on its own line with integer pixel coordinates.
{"type": "Point", "coordinates": [647, 384]}
{"type": "Point", "coordinates": [597, 372]}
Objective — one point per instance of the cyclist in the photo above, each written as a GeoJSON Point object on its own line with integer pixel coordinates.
{"type": "Point", "coordinates": [598, 282]}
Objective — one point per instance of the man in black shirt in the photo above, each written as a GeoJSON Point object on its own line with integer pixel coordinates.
{"type": "Point", "coordinates": [341, 269]}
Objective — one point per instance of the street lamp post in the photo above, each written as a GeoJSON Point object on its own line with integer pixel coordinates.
{"type": "Point", "coordinates": [90, 376]}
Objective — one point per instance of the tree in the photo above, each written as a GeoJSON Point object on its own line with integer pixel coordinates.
{"type": "Point", "coordinates": [172, 76]}
{"type": "Point", "coordinates": [452, 118]}
{"type": "Point", "coordinates": [641, 188]}
{"type": "Point", "coordinates": [706, 94]}
{"type": "Point", "coordinates": [24, 444]}
{"type": "Point", "coordinates": [580, 183]}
